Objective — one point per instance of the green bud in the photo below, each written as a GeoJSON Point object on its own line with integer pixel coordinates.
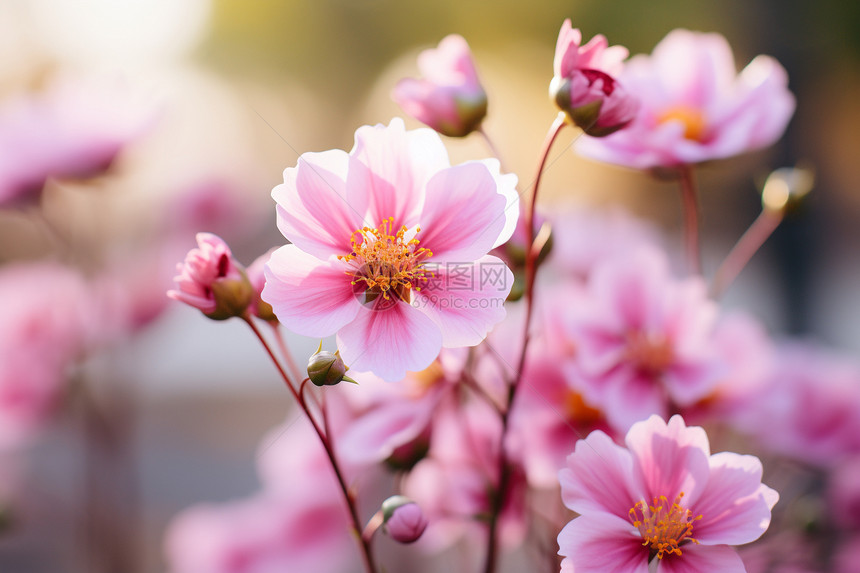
{"type": "Point", "coordinates": [327, 368]}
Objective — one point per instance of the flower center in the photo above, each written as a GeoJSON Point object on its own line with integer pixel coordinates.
{"type": "Point", "coordinates": [387, 263]}
{"type": "Point", "coordinates": [664, 528]}
{"type": "Point", "coordinates": [691, 118]}
{"type": "Point", "coordinates": [651, 355]}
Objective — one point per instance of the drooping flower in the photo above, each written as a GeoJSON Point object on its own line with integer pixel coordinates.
{"type": "Point", "coordinates": [449, 98]}
{"type": "Point", "coordinates": [643, 339]}
{"type": "Point", "coordinates": [211, 281]}
{"type": "Point", "coordinates": [389, 249]}
{"type": "Point", "coordinates": [584, 84]}
{"type": "Point", "coordinates": [695, 107]}
{"type": "Point", "coordinates": [662, 503]}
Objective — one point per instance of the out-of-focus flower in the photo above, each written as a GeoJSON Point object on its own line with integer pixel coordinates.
{"type": "Point", "coordinates": [809, 409]}
{"type": "Point", "coordinates": [663, 503]}
{"type": "Point", "coordinates": [695, 107]}
{"type": "Point", "coordinates": [211, 281]}
{"type": "Point", "coordinates": [843, 493]}
{"type": "Point", "coordinates": [449, 98]}
{"type": "Point", "coordinates": [847, 555]}
{"type": "Point", "coordinates": [404, 520]}
{"type": "Point", "coordinates": [384, 242]}
{"type": "Point", "coordinates": [584, 84]}
{"type": "Point", "coordinates": [301, 525]}
{"type": "Point", "coordinates": [643, 339]}
{"type": "Point", "coordinates": [257, 277]}
{"type": "Point", "coordinates": [49, 320]}
{"type": "Point", "coordinates": [73, 130]}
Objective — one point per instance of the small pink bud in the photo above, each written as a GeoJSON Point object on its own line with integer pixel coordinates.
{"type": "Point", "coordinates": [449, 98]}
{"type": "Point", "coordinates": [211, 281]}
{"type": "Point", "coordinates": [403, 518]}
{"type": "Point", "coordinates": [584, 85]}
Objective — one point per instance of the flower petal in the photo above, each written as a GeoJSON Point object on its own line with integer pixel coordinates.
{"type": "Point", "coordinates": [389, 169]}
{"type": "Point", "coordinates": [466, 300]}
{"type": "Point", "coordinates": [703, 559]}
{"type": "Point", "coordinates": [670, 458]}
{"type": "Point", "coordinates": [309, 296]}
{"type": "Point", "coordinates": [736, 506]}
{"type": "Point", "coordinates": [389, 341]}
{"type": "Point", "coordinates": [603, 543]}
{"type": "Point", "coordinates": [598, 477]}
{"type": "Point", "coordinates": [313, 211]}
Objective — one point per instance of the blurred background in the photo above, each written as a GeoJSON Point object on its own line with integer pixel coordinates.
{"type": "Point", "coordinates": [191, 110]}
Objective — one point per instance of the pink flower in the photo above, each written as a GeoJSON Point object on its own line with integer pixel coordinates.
{"type": "Point", "coordinates": [843, 493]}
{"type": "Point", "coordinates": [663, 503]}
{"type": "Point", "coordinates": [389, 249]}
{"type": "Point", "coordinates": [584, 84]}
{"type": "Point", "coordinates": [73, 130]}
{"type": "Point", "coordinates": [695, 107]}
{"type": "Point", "coordinates": [809, 409]}
{"type": "Point", "coordinates": [643, 339]}
{"type": "Point", "coordinates": [449, 98]}
{"type": "Point", "coordinates": [210, 280]}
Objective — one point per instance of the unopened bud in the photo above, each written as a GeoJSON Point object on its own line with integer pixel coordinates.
{"type": "Point", "coordinates": [404, 521]}
{"type": "Point", "coordinates": [327, 368]}
{"type": "Point", "coordinates": [232, 296]}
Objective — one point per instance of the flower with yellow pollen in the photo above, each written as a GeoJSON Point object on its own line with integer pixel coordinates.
{"type": "Point", "coordinates": [701, 504]}
{"type": "Point", "coordinates": [389, 248]}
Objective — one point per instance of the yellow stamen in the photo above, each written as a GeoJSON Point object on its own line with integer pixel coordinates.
{"type": "Point", "coordinates": [387, 262]}
{"type": "Point", "coordinates": [693, 120]}
{"type": "Point", "coordinates": [664, 528]}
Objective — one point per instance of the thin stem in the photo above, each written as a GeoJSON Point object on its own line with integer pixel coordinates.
{"type": "Point", "coordinates": [492, 147]}
{"type": "Point", "coordinates": [285, 352]}
{"type": "Point", "coordinates": [498, 499]}
{"type": "Point", "coordinates": [691, 217]}
{"type": "Point", "coordinates": [366, 554]}
{"type": "Point", "coordinates": [747, 246]}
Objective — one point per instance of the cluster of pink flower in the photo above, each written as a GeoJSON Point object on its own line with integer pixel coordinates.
{"type": "Point", "coordinates": [514, 411]}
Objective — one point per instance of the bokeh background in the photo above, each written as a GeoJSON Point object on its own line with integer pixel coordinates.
{"type": "Point", "coordinates": [234, 91]}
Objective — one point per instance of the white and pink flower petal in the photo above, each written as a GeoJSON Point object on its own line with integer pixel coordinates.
{"type": "Point", "coordinates": [466, 300]}
{"type": "Point", "coordinates": [702, 559]}
{"type": "Point", "coordinates": [389, 168]}
{"type": "Point", "coordinates": [601, 543]}
{"type": "Point", "coordinates": [311, 297]}
{"type": "Point", "coordinates": [736, 506]}
{"type": "Point", "coordinates": [388, 339]}
{"type": "Point", "coordinates": [313, 211]}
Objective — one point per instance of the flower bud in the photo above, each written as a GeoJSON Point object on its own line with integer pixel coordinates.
{"type": "Point", "coordinates": [260, 308]}
{"type": "Point", "coordinates": [327, 368]}
{"type": "Point", "coordinates": [786, 187]}
{"type": "Point", "coordinates": [404, 521]}
{"type": "Point", "coordinates": [211, 281]}
{"type": "Point", "coordinates": [449, 98]}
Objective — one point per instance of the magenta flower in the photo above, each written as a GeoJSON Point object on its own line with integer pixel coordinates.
{"type": "Point", "coordinates": [663, 503]}
{"type": "Point", "coordinates": [643, 339]}
{"type": "Point", "coordinates": [584, 84]}
{"type": "Point", "coordinates": [449, 98]}
{"type": "Point", "coordinates": [390, 249]}
{"type": "Point", "coordinates": [211, 281]}
{"type": "Point", "coordinates": [695, 107]}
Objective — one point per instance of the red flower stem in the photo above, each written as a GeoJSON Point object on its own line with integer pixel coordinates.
{"type": "Point", "coordinates": [747, 246]}
{"type": "Point", "coordinates": [364, 546]}
{"type": "Point", "coordinates": [372, 526]}
{"type": "Point", "coordinates": [288, 356]}
{"type": "Point", "coordinates": [691, 217]}
{"type": "Point", "coordinates": [498, 499]}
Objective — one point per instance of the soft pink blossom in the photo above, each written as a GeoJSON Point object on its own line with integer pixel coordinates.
{"type": "Point", "coordinates": [695, 107]}
{"type": "Point", "coordinates": [449, 98]}
{"type": "Point", "coordinates": [663, 500]}
{"type": "Point", "coordinates": [389, 249]}
{"type": "Point", "coordinates": [206, 270]}
{"type": "Point", "coordinates": [809, 409]}
{"type": "Point", "coordinates": [72, 130]}
{"type": "Point", "coordinates": [843, 493]}
{"type": "Point", "coordinates": [643, 339]}
{"type": "Point", "coordinates": [584, 83]}
{"type": "Point", "coordinates": [50, 319]}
